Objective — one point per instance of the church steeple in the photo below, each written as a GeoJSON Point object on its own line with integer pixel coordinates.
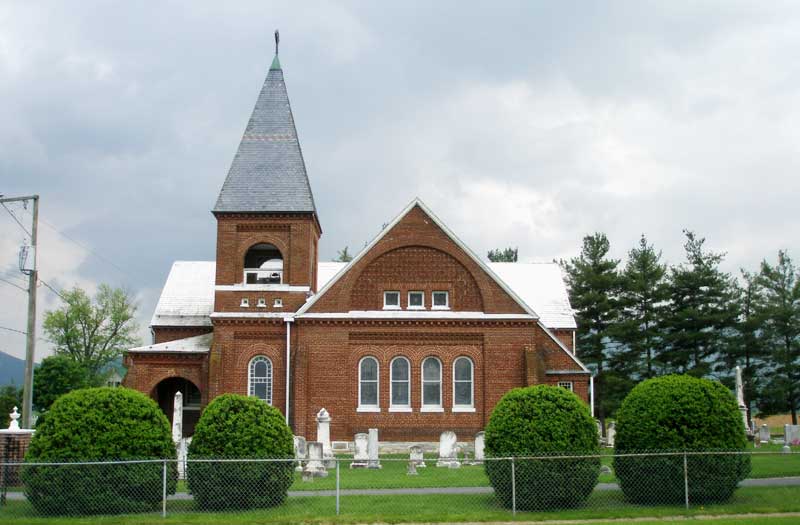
{"type": "Point", "coordinates": [268, 173]}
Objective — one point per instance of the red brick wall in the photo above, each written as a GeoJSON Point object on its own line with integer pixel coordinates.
{"type": "Point", "coordinates": [328, 354]}
{"type": "Point", "coordinates": [165, 334]}
{"type": "Point", "coordinates": [295, 235]}
{"type": "Point", "coordinates": [416, 268]}
{"type": "Point", "coordinates": [416, 230]}
{"type": "Point", "coordinates": [231, 301]}
{"type": "Point", "coordinates": [13, 446]}
{"type": "Point", "coordinates": [147, 369]}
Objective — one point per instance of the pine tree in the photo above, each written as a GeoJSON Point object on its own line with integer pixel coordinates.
{"type": "Point", "coordinates": [702, 310]}
{"type": "Point", "coordinates": [642, 301]}
{"type": "Point", "coordinates": [507, 255]}
{"type": "Point", "coordinates": [593, 287]}
{"type": "Point", "coordinates": [780, 311]}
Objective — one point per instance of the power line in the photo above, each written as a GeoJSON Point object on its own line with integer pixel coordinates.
{"type": "Point", "coordinates": [15, 219]}
{"type": "Point", "coordinates": [52, 289]}
{"type": "Point", "coordinates": [13, 284]}
{"type": "Point", "coordinates": [13, 330]}
{"type": "Point", "coordinates": [81, 245]}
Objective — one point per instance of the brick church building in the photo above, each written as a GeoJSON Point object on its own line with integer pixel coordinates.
{"type": "Point", "coordinates": [414, 336]}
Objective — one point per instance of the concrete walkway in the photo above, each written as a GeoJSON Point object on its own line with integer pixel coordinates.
{"type": "Point", "coordinates": [755, 482]}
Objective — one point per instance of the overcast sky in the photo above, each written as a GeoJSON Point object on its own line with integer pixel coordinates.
{"type": "Point", "coordinates": [519, 123]}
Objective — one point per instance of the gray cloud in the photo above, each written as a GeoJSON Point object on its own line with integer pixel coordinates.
{"type": "Point", "coordinates": [520, 123]}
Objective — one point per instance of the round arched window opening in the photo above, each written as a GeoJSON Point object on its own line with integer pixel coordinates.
{"type": "Point", "coordinates": [263, 264]}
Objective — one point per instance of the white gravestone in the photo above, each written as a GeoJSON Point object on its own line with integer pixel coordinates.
{"type": "Point", "coordinates": [14, 415]}
{"type": "Point", "coordinates": [300, 452]}
{"type": "Point", "coordinates": [611, 434]}
{"type": "Point", "coordinates": [763, 433]}
{"type": "Point", "coordinates": [324, 437]}
{"type": "Point", "coordinates": [447, 450]}
{"type": "Point", "coordinates": [480, 446]}
{"type": "Point", "coordinates": [372, 448]}
{"type": "Point", "coordinates": [416, 455]}
{"type": "Point", "coordinates": [740, 397]}
{"type": "Point", "coordinates": [360, 456]}
{"type": "Point", "coordinates": [314, 467]}
{"type": "Point", "coordinates": [791, 437]}
{"type": "Point", "coordinates": [177, 417]}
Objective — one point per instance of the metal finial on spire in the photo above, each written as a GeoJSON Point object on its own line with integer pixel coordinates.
{"type": "Point", "coordinates": [277, 40]}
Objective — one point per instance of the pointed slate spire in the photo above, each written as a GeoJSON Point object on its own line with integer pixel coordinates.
{"type": "Point", "coordinates": [268, 173]}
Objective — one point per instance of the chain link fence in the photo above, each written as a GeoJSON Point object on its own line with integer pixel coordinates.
{"type": "Point", "coordinates": [284, 488]}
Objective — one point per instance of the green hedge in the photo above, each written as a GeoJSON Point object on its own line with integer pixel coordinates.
{"type": "Point", "coordinates": [239, 427]}
{"type": "Point", "coordinates": [680, 413]}
{"type": "Point", "coordinates": [542, 421]}
{"type": "Point", "coordinates": [93, 425]}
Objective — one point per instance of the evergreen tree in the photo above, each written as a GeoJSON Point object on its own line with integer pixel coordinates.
{"type": "Point", "coordinates": [780, 311]}
{"type": "Point", "coordinates": [343, 255]}
{"type": "Point", "coordinates": [642, 301]}
{"type": "Point", "coordinates": [747, 346]}
{"type": "Point", "coordinates": [507, 255]}
{"type": "Point", "coordinates": [702, 310]}
{"type": "Point", "coordinates": [593, 287]}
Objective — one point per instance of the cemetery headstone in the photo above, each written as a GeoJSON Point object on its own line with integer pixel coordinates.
{"type": "Point", "coordinates": [177, 417]}
{"type": "Point", "coordinates": [447, 450]}
{"type": "Point", "coordinates": [480, 447]}
{"type": "Point", "coordinates": [360, 456]}
{"type": "Point", "coordinates": [324, 437]}
{"type": "Point", "coordinates": [611, 434]}
{"type": "Point", "coordinates": [372, 449]}
{"type": "Point", "coordinates": [300, 452]}
{"type": "Point", "coordinates": [763, 433]}
{"type": "Point", "coordinates": [314, 467]}
{"type": "Point", "coordinates": [416, 456]}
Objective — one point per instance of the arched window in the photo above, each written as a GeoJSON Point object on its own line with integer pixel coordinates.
{"type": "Point", "coordinates": [259, 378]}
{"type": "Point", "coordinates": [431, 385]}
{"type": "Point", "coordinates": [263, 264]}
{"type": "Point", "coordinates": [463, 392]}
{"type": "Point", "coordinates": [400, 395]}
{"type": "Point", "coordinates": [368, 374]}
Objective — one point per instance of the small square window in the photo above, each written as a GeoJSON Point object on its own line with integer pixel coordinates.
{"type": "Point", "coordinates": [416, 300]}
{"type": "Point", "coordinates": [262, 303]}
{"type": "Point", "coordinates": [441, 300]}
{"type": "Point", "coordinates": [245, 302]}
{"type": "Point", "coordinates": [391, 300]}
{"type": "Point", "coordinates": [277, 303]}
{"type": "Point", "coordinates": [566, 384]}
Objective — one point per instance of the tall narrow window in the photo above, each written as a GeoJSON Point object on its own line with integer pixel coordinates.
{"type": "Point", "coordinates": [259, 379]}
{"type": "Point", "coordinates": [431, 385]}
{"type": "Point", "coordinates": [463, 395]}
{"type": "Point", "coordinates": [368, 385]}
{"type": "Point", "coordinates": [401, 385]}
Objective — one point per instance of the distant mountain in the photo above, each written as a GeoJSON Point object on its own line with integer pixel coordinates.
{"type": "Point", "coordinates": [12, 370]}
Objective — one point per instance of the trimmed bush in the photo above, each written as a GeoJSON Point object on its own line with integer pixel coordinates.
{"type": "Point", "coordinates": [542, 421]}
{"type": "Point", "coordinates": [240, 427]}
{"type": "Point", "coordinates": [680, 413]}
{"type": "Point", "coordinates": [93, 425]}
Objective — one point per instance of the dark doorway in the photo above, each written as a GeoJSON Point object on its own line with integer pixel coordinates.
{"type": "Point", "coordinates": [165, 396]}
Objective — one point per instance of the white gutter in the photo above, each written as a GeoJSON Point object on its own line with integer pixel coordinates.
{"type": "Point", "coordinates": [591, 393]}
{"type": "Point", "coordinates": [289, 321]}
{"type": "Point", "coordinates": [574, 350]}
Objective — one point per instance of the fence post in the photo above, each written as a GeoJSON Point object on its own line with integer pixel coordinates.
{"type": "Point", "coordinates": [164, 491]}
{"type": "Point", "coordinates": [686, 480]}
{"type": "Point", "coordinates": [513, 489]}
{"type": "Point", "coordinates": [337, 486]}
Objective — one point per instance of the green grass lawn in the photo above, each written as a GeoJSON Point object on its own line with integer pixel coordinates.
{"type": "Point", "coordinates": [429, 508]}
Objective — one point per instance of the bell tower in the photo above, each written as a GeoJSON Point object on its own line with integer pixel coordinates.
{"type": "Point", "coordinates": [267, 225]}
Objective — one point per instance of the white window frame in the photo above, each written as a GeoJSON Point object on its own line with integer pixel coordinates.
{"type": "Point", "coordinates": [407, 406]}
{"type": "Point", "coordinates": [421, 294]}
{"type": "Point", "coordinates": [423, 406]}
{"type": "Point", "coordinates": [567, 384]}
{"type": "Point", "coordinates": [268, 379]}
{"type": "Point", "coordinates": [245, 303]}
{"type": "Point", "coordinates": [377, 406]}
{"type": "Point", "coordinates": [446, 306]}
{"type": "Point", "coordinates": [391, 306]}
{"type": "Point", "coordinates": [262, 303]}
{"type": "Point", "coordinates": [471, 406]}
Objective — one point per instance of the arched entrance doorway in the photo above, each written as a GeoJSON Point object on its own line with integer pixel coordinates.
{"type": "Point", "coordinates": [164, 394]}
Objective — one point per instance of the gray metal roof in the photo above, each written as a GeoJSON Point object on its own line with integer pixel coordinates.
{"type": "Point", "coordinates": [268, 173]}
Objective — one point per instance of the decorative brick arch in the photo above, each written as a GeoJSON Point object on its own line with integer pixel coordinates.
{"type": "Point", "coordinates": [187, 374]}
{"type": "Point", "coordinates": [428, 266]}
{"type": "Point", "coordinates": [248, 241]}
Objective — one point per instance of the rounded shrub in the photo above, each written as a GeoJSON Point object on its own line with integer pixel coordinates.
{"type": "Point", "coordinates": [99, 425]}
{"type": "Point", "coordinates": [680, 414]}
{"type": "Point", "coordinates": [550, 424]}
{"type": "Point", "coordinates": [239, 427]}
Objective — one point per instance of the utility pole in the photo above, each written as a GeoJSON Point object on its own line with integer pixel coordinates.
{"type": "Point", "coordinates": [27, 389]}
